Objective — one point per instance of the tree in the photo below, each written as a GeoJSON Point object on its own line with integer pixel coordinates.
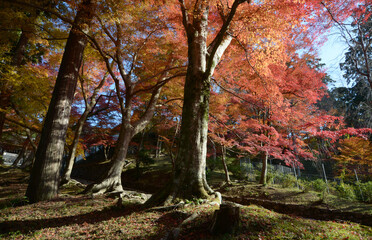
{"type": "Point", "coordinates": [189, 178]}
{"type": "Point", "coordinates": [131, 44]}
{"type": "Point", "coordinates": [90, 102]}
{"type": "Point", "coordinates": [357, 69]}
{"type": "Point", "coordinates": [354, 151]}
{"type": "Point", "coordinates": [19, 47]}
{"type": "Point", "coordinates": [44, 179]}
{"type": "Point", "coordinates": [357, 65]}
{"type": "Point", "coordinates": [200, 18]}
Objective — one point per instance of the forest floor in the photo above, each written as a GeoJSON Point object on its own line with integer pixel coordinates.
{"type": "Point", "coordinates": [73, 216]}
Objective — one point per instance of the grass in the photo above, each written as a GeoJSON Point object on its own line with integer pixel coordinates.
{"type": "Point", "coordinates": [294, 196]}
{"type": "Point", "coordinates": [72, 216]}
{"type": "Point", "coordinates": [84, 218]}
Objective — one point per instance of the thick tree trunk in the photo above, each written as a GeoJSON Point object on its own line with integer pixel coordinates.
{"type": "Point", "coordinates": [44, 180]}
{"type": "Point", "coordinates": [189, 177]}
{"type": "Point", "coordinates": [189, 174]}
{"type": "Point", "coordinates": [264, 169]}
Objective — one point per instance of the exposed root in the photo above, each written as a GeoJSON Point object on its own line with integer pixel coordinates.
{"type": "Point", "coordinates": [108, 185]}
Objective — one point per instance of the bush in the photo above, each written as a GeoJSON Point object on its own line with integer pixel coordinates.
{"type": "Point", "coordinates": [239, 172]}
{"type": "Point", "coordinates": [304, 185]}
{"type": "Point", "coordinates": [287, 180]}
{"type": "Point", "coordinates": [366, 189]}
{"type": "Point", "coordinates": [145, 157]}
{"type": "Point", "coordinates": [345, 191]}
{"type": "Point", "coordinates": [213, 163]}
{"type": "Point", "coordinates": [318, 185]}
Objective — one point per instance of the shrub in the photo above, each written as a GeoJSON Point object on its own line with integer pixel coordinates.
{"type": "Point", "coordinates": [345, 191]}
{"type": "Point", "coordinates": [237, 171]}
{"type": "Point", "coordinates": [366, 189]}
{"type": "Point", "coordinates": [287, 180]}
{"type": "Point", "coordinates": [318, 185]}
{"type": "Point", "coordinates": [145, 157]}
{"type": "Point", "coordinates": [305, 185]}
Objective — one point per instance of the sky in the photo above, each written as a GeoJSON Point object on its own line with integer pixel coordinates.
{"type": "Point", "coordinates": [332, 54]}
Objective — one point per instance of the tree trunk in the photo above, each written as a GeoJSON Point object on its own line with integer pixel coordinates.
{"type": "Point", "coordinates": [21, 155]}
{"type": "Point", "coordinates": [44, 179]}
{"type": "Point", "coordinates": [189, 180]}
{"type": "Point", "coordinates": [29, 160]}
{"type": "Point", "coordinates": [158, 147]}
{"type": "Point", "coordinates": [264, 169]}
{"type": "Point", "coordinates": [189, 177]}
{"type": "Point", "coordinates": [138, 157]}
{"type": "Point", "coordinates": [66, 175]}
{"type": "Point", "coordinates": [223, 158]}
{"type": "Point", "coordinates": [111, 180]}
{"type": "Point", "coordinates": [226, 220]}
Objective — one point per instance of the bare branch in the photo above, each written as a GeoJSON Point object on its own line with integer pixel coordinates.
{"type": "Point", "coordinates": [22, 124]}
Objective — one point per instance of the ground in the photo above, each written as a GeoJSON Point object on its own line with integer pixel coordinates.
{"type": "Point", "coordinates": [72, 216]}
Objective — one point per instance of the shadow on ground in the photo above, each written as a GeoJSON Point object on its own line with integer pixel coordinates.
{"type": "Point", "coordinates": [25, 226]}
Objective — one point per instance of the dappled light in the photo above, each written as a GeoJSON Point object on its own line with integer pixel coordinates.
{"type": "Point", "coordinates": [185, 119]}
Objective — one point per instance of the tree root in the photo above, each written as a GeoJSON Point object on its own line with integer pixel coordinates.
{"type": "Point", "coordinates": [108, 185]}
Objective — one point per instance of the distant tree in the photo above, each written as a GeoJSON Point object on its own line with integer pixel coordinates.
{"type": "Point", "coordinates": [358, 58]}
{"type": "Point", "coordinates": [354, 152]}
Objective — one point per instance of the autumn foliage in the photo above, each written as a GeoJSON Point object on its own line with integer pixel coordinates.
{"type": "Point", "coordinates": [253, 63]}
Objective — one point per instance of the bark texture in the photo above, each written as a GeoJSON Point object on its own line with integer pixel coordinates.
{"type": "Point", "coordinates": [111, 180]}
{"type": "Point", "coordinates": [189, 177]}
{"type": "Point", "coordinates": [89, 105]}
{"type": "Point", "coordinates": [223, 159]}
{"type": "Point", "coordinates": [44, 179]}
{"type": "Point", "coordinates": [263, 177]}
{"type": "Point", "coordinates": [226, 220]}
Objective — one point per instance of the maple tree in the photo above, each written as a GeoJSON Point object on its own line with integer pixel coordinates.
{"type": "Point", "coordinates": [262, 29]}
{"type": "Point", "coordinates": [270, 127]}
{"type": "Point", "coordinates": [94, 82]}
{"type": "Point", "coordinates": [130, 43]}
{"type": "Point", "coordinates": [251, 82]}
{"type": "Point", "coordinates": [21, 49]}
{"type": "Point", "coordinates": [354, 151]}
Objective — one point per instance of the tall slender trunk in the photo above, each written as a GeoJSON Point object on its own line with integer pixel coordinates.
{"type": "Point", "coordinates": [21, 155]}
{"type": "Point", "coordinates": [111, 180]}
{"type": "Point", "coordinates": [138, 157]}
{"type": "Point", "coordinates": [158, 147]}
{"type": "Point", "coordinates": [264, 168]}
{"type": "Point", "coordinates": [223, 158]}
{"type": "Point", "coordinates": [44, 179]}
{"type": "Point", "coordinates": [66, 175]}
